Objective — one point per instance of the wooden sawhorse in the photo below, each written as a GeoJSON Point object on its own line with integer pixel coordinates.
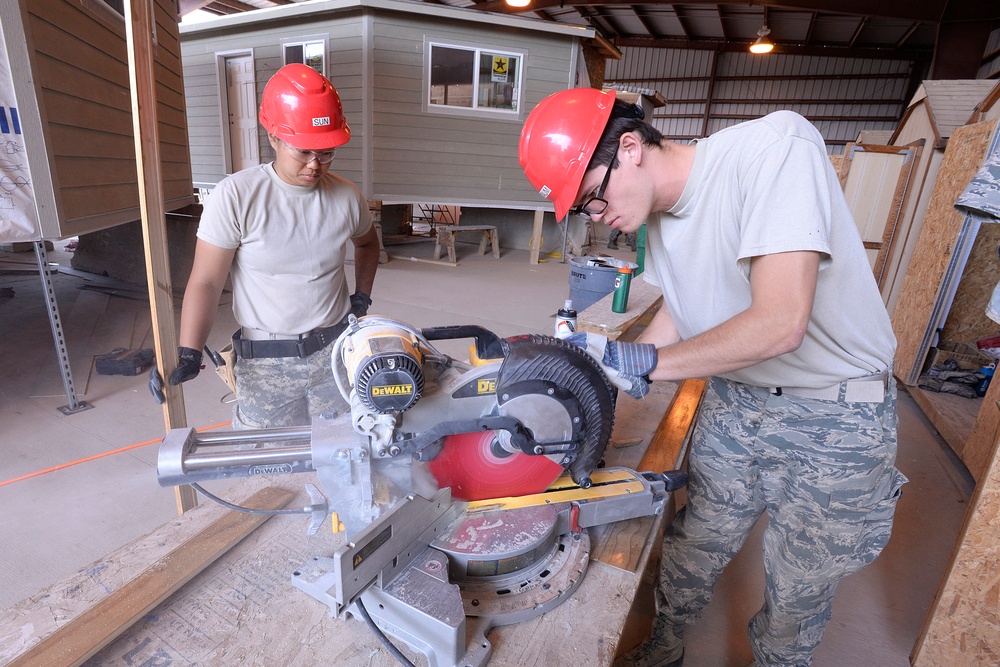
{"type": "Point", "coordinates": [446, 239]}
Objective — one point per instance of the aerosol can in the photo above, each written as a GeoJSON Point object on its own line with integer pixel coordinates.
{"type": "Point", "coordinates": [565, 320]}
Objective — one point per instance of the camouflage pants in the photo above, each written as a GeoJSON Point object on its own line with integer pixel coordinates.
{"type": "Point", "coordinates": [824, 473]}
{"type": "Point", "coordinates": [285, 391]}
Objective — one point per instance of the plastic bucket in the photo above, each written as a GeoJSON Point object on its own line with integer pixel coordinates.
{"type": "Point", "coordinates": [592, 278]}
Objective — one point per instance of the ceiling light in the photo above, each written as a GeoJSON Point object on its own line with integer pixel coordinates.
{"type": "Point", "coordinates": [518, 3]}
{"type": "Point", "coordinates": [763, 44]}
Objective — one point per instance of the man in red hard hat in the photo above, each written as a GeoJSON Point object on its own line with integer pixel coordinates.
{"type": "Point", "coordinates": [767, 289]}
{"type": "Point", "coordinates": [282, 230]}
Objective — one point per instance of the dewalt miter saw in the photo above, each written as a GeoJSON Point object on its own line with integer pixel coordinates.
{"type": "Point", "coordinates": [463, 489]}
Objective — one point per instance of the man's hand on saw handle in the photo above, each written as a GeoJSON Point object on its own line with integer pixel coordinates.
{"type": "Point", "coordinates": [627, 365]}
{"type": "Point", "coordinates": [188, 367]}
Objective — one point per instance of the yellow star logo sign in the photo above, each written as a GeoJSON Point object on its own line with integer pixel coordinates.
{"type": "Point", "coordinates": [500, 65]}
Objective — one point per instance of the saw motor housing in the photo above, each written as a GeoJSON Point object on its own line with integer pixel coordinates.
{"type": "Point", "coordinates": [384, 364]}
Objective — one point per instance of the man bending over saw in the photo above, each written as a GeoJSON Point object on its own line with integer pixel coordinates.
{"type": "Point", "coordinates": [767, 289]}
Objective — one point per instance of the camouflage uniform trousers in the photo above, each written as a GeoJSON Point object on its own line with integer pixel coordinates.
{"type": "Point", "coordinates": [285, 391]}
{"type": "Point", "coordinates": [824, 473]}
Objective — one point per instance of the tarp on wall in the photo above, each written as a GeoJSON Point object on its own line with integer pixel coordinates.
{"type": "Point", "coordinates": [18, 221]}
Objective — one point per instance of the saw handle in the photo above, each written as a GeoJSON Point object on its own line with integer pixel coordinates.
{"type": "Point", "coordinates": [672, 479]}
{"type": "Point", "coordinates": [487, 343]}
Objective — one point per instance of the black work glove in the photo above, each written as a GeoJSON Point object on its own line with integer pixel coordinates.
{"type": "Point", "coordinates": [359, 304]}
{"type": "Point", "coordinates": [188, 367]}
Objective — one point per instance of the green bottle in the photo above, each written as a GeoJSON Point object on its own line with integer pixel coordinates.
{"type": "Point", "coordinates": [619, 303]}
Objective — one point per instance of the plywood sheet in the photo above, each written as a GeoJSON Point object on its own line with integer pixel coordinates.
{"type": "Point", "coordinates": [929, 263]}
{"type": "Point", "coordinates": [964, 624]}
{"type": "Point", "coordinates": [967, 321]}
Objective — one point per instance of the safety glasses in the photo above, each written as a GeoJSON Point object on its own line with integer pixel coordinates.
{"type": "Point", "coordinates": [305, 157]}
{"type": "Point", "coordinates": [596, 204]}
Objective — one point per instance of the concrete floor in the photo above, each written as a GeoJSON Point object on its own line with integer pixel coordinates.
{"type": "Point", "coordinates": [74, 487]}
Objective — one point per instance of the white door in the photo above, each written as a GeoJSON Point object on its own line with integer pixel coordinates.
{"type": "Point", "coordinates": [242, 103]}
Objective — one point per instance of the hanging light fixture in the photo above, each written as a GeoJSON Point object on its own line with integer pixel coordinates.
{"type": "Point", "coordinates": [518, 3]}
{"type": "Point", "coordinates": [763, 43]}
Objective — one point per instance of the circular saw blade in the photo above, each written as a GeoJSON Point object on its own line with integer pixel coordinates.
{"type": "Point", "coordinates": [469, 466]}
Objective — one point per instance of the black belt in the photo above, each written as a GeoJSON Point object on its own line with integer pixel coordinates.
{"type": "Point", "coordinates": [306, 345]}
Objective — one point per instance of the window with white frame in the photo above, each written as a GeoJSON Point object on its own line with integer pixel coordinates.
{"type": "Point", "coordinates": [479, 79]}
{"type": "Point", "coordinates": [308, 51]}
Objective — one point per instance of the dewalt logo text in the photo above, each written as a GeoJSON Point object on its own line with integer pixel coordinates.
{"type": "Point", "coordinates": [486, 386]}
{"type": "Point", "coordinates": [393, 390]}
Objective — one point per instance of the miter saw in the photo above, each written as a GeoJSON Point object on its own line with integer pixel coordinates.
{"type": "Point", "coordinates": [463, 489]}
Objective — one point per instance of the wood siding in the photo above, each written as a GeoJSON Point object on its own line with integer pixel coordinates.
{"type": "Point", "coordinates": [80, 65]}
{"type": "Point", "coordinates": [202, 53]}
{"type": "Point", "coordinates": [398, 151]}
{"type": "Point", "coordinates": [421, 156]}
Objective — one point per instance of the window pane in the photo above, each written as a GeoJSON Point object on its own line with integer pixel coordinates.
{"type": "Point", "coordinates": [293, 53]}
{"type": "Point", "coordinates": [498, 81]}
{"type": "Point", "coordinates": [314, 56]}
{"type": "Point", "coordinates": [452, 76]}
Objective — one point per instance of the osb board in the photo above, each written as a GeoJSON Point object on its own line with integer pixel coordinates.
{"type": "Point", "coordinates": [924, 276]}
{"type": "Point", "coordinates": [963, 627]}
{"type": "Point", "coordinates": [979, 448]}
{"type": "Point", "coordinates": [967, 321]}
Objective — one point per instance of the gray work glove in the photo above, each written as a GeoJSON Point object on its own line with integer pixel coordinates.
{"type": "Point", "coordinates": [627, 365]}
{"type": "Point", "coordinates": [188, 367]}
{"type": "Point", "coordinates": [360, 303]}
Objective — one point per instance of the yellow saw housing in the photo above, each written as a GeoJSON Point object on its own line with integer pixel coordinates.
{"type": "Point", "coordinates": [384, 365]}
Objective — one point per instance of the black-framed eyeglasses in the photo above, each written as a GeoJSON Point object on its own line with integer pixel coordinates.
{"type": "Point", "coordinates": [305, 157]}
{"type": "Point", "coordinates": [596, 204]}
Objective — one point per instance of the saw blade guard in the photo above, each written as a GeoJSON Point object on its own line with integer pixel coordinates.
{"type": "Point", "coordinates": [543, 366]}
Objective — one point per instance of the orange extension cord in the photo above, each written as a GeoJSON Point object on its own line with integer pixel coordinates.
{"type": "Point", "coordinates": [100, 456]}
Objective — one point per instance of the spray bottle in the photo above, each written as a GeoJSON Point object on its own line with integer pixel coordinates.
{"type": "Point", "coordinates": [565, 320]}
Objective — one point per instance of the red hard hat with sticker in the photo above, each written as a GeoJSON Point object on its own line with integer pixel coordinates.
{"type": "Point", "coordinates": [558, 140]}
{"type": "Point", "coordinates": [302, 108]}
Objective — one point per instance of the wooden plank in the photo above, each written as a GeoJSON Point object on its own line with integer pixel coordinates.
{"type": "Point", "coordinates": [95, 628]}
{"type": "Point", "coordinates": [141, 49]}
{"type": "Point", "coordinates": [643, 300]}
{"type": "Point", "coordinates": [980, 447]}
{"type": "Point", "coordinates": [963, 627]}
{"type": "Point", "coordinates": [953, 416]}
{"type": "Point", "coordinates": [535, 244]}
{"type": "Point", "coordinates": [665, 449]}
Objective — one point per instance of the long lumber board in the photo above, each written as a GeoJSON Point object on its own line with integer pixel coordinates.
{"type": "Point", "coordinates": [87, 633]}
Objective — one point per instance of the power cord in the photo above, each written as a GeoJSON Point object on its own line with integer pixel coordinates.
{"type": "Point", "coordinates": [249, 510]}
{"type": "Point", "coordinates": [381, 635]}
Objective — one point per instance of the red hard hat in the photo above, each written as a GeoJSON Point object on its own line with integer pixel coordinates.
{"type": "Point", "coordinates": [558, 140]}
{"type": "Point", "coordinates": [301, 107]}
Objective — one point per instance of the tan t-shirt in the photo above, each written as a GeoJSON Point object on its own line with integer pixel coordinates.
{"type": "Point", "coordinates": [291, 243]}
{"type": "Point", "coordinates": [763, 187]}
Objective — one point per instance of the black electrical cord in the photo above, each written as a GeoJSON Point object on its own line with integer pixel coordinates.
{"type": "Point", "coordinates": [248, 510]}
{"type": "Point", "coordinates": [381, 635]}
